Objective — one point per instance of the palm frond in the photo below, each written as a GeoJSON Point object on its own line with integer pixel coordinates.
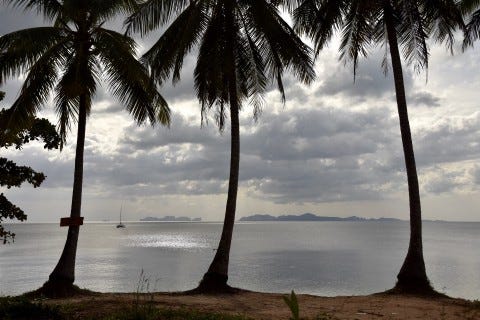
{"type": "Point", "coordinates": [80, 77]}
{"type": "Point", "coordinates": [164, 58]}
{"type": "Point", "coordinates": [380, 36]}
{"type": "Point", "coordinates": [472, 30]}
{"type": "Point", "coordinates": [19, 50]}
{"type": "Point", "coordinates": [250, 61]}
{"type": "Point", "coordinates": [412, 34]}
{"type": "Point", "coordinates": [128, 80]}
{"type": "Point", "coordinates": [289, 5]}
{"type": "Point", "coordinates": [281, 47]}
{"type": "Point", "coordinates": [37, 86]}
{"type": "Point", "coordinates": [319, 22]}
{"type": "Point", "coordinates": [105, 10]}
{"type": "Point", "coordinates": [357, 31]}
{"type": "Point", "coordinates": [469, 6]}
{"type": "Point", "coordinates": [218, 80]}
{"type": "Point", "coordinates": [67, 110]}
{"type": "Point", "coordinates": [154, 13]}
{"type": "Point", "coordinates": [445, 18]}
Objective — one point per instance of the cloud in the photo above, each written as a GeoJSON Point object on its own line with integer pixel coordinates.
{"type": "Point", "coordinates": [300, 156]}
{"type": "Point", "coordinates": [334, 165]}
{"type": "Point", "coordinates": [370, 81]}
{"type": "Point", "coordinates": [425, 99]}
{"type": "Point", "coordinates": [448, 140]}
{"type": "Point", "coordinates": [336, 141]}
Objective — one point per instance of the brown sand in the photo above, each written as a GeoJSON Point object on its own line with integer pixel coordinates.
{"type": "Point", "coordinates": [271, 306]}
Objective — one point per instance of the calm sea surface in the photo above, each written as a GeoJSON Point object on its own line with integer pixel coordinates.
{"type": "Point", "coordinates": [324, 258]}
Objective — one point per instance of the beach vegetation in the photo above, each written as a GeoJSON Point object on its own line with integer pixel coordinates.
{"type": "Point", "coordinates": [292, 303]}
{"type": "Point", "coordinates": [13, 175]}
{"type": "Point", "coordinates": [20, 308]}
{"type": "Point", "coordinates": [172, 314]}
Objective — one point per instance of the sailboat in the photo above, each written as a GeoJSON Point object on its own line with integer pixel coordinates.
{"type": "Point", "coordinates": [120, 224]}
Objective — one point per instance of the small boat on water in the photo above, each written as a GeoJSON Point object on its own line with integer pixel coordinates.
{"type": "Point", "coordinates": [120, 224]}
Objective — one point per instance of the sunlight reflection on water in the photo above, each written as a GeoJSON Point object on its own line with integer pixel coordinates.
{"type": "Point", "coordinates": [172, 241]}
{"type": "Point", "coordinates": [324, 258]}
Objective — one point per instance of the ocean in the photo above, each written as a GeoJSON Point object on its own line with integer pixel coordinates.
{"type": "Point", "coordinates": [321, 258]}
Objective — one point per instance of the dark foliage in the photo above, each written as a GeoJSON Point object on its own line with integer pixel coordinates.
{"type": "Point", "coordinates": [13, 175]}
{"type": "Point", "coordinates": [23, 309]}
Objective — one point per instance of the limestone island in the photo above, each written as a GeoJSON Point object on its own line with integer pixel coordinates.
{"type": "Point", "coordinates": [309, 217]}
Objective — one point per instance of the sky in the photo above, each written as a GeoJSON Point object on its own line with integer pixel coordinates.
{"type": "Point", "coordinates": [333, 149]}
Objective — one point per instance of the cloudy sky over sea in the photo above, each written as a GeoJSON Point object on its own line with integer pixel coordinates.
{"type": "Point", "coordinates": [333, 149]}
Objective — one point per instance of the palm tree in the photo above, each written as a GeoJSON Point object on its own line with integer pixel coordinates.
{"type": "Point", "coordinates": [393, 24]}
{"type": "Point", "coordinates": [68, 58]}
{"type": "Point", "coordinates": [242, 43]}
{"type": "Point", "coordinates": [471, 8]}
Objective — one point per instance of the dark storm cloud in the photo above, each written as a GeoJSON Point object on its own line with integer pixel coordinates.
{"type": "Point", "coordinates": [424, 99]}
{"type": "Point", "coordinates": [350, 155]}
{"type": "Point", "coordinates": [298, 156]}
{"type": "Point", "coordinates": [370, 81]}
{"type": "Point", "coordinates": [338, 165]}
{"type": "Point", "coordinates": [190, 160]}
{"type": "Point", "coordinates": [444, 181]}
{"type": "Point", "coordinates": [312, 134]}
{"type": "Point", "coordinates": [449, 140]}
{"type": "Point", "coordinates": [182, 131]}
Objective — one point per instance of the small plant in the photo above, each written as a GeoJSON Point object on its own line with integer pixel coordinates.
{"type": "Point", "coordinates": [292, 303]}
{"type": "Point", "coordinates": [143, 307]}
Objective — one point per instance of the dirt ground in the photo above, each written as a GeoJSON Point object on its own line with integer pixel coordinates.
{"type": "Point", "coordinates": [271, 306]}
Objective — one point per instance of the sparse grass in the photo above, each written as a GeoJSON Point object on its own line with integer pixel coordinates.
{"type": "Point", "coordinates": [325, 316]}
{"type": "Point", "coordinates": [172, 314]}
{"type": "Point", "coordinates": [20, 308]}
{"type": "Point", "coordinates": [143, 307]}
{"type": "Point", "coordinates": [476, 304]}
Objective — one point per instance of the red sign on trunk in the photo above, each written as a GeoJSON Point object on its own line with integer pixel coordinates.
{"type": "Point", "coordinates": [67, 222]}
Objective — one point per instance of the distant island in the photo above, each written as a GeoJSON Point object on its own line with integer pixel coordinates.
{"type": "Point", "coordinates": [309, 217]}
{"type": "Point", "coordinates": [172, 219]}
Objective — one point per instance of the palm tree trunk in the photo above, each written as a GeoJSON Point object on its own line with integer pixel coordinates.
{"type": "Point", "coordinates": [64, 272]}
{"type": "Point", "coordinates": [215, 280]}
{"type": "Point", "coordinates": [412, 275]}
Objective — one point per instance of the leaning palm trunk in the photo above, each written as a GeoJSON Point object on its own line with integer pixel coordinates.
{"type": "Point", "coordinates": [67, 59]}
{"type": "Point", "coordinates": [215, 279]}
{"type": "Point", "coordinates": [241, 45]}
{"type": "Point", "coordinates": [63, 275]}
{"type": "Point", "coordinates": [412, 275]}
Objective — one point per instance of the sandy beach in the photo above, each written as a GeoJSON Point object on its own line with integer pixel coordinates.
{"type": "Point", "coordinates": [268, 306]}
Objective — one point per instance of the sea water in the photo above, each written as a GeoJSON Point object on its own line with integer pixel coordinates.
{"type": "Point", "coordinates": [322, 258]}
